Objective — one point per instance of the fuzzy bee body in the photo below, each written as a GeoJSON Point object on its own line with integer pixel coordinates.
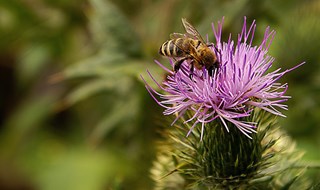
{"type": "Point", "coordinates": [178, 47]}
{"type": "Point", "coordinates": [190, 46]}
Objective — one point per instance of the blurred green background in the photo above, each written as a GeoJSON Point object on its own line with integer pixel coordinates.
{"type": "Point", "coordinates": [74, 111]}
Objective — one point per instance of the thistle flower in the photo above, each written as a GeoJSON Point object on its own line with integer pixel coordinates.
{"type": "Point", "coordinates": [240, 84]}
{"type": "Point", "coordinates": [225, 160]}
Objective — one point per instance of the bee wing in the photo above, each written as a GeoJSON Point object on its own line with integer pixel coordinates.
{"type": "Point", "coordinates": [191, 30]}
{"type": "Point", "coordinates": [174, 36]}
{"type": "Point", "coordinates": [185, 50]}
{"type": "Point", "coordinates": [177, 35]}
{"type": "Point", "coordinates": [191, 51]}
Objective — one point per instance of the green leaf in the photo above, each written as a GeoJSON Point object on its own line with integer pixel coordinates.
{"type": "Point", "coordinates": [289, 183]}
{"type": "Point", "coordinates": [122, 112]}
{"type": "Point", "coordinates": [23, 122]}
{"type": "Point", "coordinates": [88, 89]}
{"type": "Point", "coordinates": [31, 62]}
{"type": "Point", "coordinates": [112, 30]}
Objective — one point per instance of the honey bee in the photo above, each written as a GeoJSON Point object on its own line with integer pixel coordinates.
{"type": "Point", "coordinates": [191, 47]}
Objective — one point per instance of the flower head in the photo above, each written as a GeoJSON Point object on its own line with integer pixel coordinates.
{"type": "Point", "coordinates": [240, 84]}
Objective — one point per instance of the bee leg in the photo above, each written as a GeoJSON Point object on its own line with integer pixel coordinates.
{"type": "Point", "coordinates": [211, 70]}
{"type": "Point", "coordinates": [178, 63]}
{"type": "Point", "coordinates": [191, 70]}
{"type": "Point", "coordinates": [210, 44]}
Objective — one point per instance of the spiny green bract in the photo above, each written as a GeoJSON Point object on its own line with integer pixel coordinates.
{"type": "Point", "coordinates": [228, 160]}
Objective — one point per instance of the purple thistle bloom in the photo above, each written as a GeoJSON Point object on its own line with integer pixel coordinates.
{"type": "Point", "coordinates": [240, 84]}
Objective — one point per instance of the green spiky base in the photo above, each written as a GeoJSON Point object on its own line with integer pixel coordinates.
{"type": "Point", "coordinates": [228, 160]}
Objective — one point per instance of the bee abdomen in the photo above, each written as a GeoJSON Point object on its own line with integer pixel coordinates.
{"type": "Point", "coordinates": [170, 48]}
{"type": "Point", "coordinates": [162, 50]}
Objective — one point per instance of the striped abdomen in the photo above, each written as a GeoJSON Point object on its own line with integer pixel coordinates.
{"type": "Point", "coordinates": [178, 47]}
